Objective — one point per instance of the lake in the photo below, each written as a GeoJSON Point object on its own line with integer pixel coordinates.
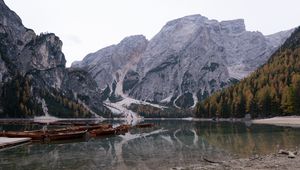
{"type": "Point", "coordinates": [171, 143]}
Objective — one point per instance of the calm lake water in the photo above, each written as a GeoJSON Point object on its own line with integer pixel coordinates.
{"type": "Point", "coordinates": [168, 144]}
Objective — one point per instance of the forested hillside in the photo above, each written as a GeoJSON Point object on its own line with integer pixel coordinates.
{"type": "Point", "coordinates": [274, 89]}
{"type": "Point", "coordinates": [34, 80]}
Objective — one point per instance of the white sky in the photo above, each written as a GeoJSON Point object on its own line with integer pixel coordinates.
{"type": "Point", "coordinates": [86, 26]}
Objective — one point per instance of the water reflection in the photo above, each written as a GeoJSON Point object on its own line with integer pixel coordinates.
{"type": "Point", "coordinates": [168, 144]}
{"type": "Point", "coordinates": [246, 141]}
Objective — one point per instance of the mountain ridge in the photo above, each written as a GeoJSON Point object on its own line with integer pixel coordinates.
{"type": "Point", "coordinates": [166, 68]}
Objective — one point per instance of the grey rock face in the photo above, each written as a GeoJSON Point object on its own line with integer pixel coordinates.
{"type": "Point", "coordinates": [81, 84]}
{"type": "Point", "coordinates": [110, 64]}
{"type": "Point", "coordinates": [32, 69]}
{"type": "Point", "coordinates": [43, 52]}
{"type": "Point", "coordinates": [130, 80]}
{"type": "Point", "coordinates": [186, 61]}
{"type": "Point", "coordinates": [193, 54]}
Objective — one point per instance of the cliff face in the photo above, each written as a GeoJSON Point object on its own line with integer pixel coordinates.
{"type": "Point", "coordinates": [190, 58]}
{"type": "Point", "coordinates": [33, 77]}
{"type": "Point", "coordinates": [109, 65]}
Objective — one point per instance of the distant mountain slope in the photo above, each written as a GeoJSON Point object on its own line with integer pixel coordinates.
{"type": "Point", "coordinates": [273, 89]}
{"type": "Point", "coordinates": [108, 66]}
{"type": "Point", "coordinates": [190, 58]}
{"type": "Point", "coordinates": [33, 77]}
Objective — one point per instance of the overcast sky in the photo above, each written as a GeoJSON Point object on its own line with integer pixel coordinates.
{"type": "Point", "coordinates": [86, 26]}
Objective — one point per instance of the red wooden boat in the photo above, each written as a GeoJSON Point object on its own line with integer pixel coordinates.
{"type": "Point", "coordinates": [32, 135]}
{"type": "Point", "coordinates": [102, 132]}
{"type": "Point", "coordinates": [89, 128]}
{"type": "Point", "coordinates": [145, 125]}
{"type": "Point", "coordinates": [66, 135]}
{"type": "Point", "coordinates": [122, 129]}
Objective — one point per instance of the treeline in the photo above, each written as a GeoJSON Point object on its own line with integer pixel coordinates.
{"type": "Point", "coordinates": [17, 99]}
{"type": "Point", "coordinates": [20, 99]}
{"type": "Point", "coordinates": [272, 90]}
{"type": "Point", "coordinates": [62, 106]}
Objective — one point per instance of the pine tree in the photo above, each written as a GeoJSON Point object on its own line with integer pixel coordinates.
{"type": "Point", "coordinates": [273, 89]}
{"type": "Point", "coordinates": [295, 94]}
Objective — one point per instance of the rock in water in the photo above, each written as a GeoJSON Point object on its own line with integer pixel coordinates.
{"type": "Point", "coordinates": [289, 153]}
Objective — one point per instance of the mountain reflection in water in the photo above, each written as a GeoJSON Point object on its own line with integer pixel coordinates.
{"type": "Point", "coordinates": [168, 144]}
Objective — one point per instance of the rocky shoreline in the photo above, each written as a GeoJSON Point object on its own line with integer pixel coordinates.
{"type": "Point", "coordinates": [278, 161]}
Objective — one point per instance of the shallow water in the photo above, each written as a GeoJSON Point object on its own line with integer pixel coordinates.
{"type": "Point", "coordinates": [169, 144]}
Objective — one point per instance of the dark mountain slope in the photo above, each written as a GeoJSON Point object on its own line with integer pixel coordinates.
{"type": "Point", "coordinates": [33, 77]}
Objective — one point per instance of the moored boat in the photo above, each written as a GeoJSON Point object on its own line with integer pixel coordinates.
{"type": "Point", "coordinates": [122, 129]}
{"type": "Point", "coordinates": [65, 135]}
{"type": "Point", "coordinates": [32, 135]}
{"type": "Point", "coordinates": [68, 133]}
{"type": "Point", "coordinates": [102, 132]}
{"type": "Point", "coordinates": [145, 125]}
{"type": "Point", "coordinates": [71, 129]}
{"type": "Point", "coordinates": [89, 128]}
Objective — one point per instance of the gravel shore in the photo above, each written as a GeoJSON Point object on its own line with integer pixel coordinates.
{"type": "Point", "coordinates": [273, 161]}
{"type": "Point", "coordinates": [292, 121]}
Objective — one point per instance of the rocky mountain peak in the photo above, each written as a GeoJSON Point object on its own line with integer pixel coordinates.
{"type": "Point", "coordinates": [129, 43]}
{"type": "Point", "coordinates": [134, 40]}
{"type": "Point", "coordinates": [189, 59]}
{"type": "Point", "coordinates": [233, 26]}
{"type": "Point", "coordinates": [42, 53]}
{"type": "Point", "coordinates": [7, 16]}
{"type": "Point", "coordinates": [110, 64]}
{"type": "Point", "coordinates": [178, 34]}
{"type": "Point", "coordinates": [33, 75]}
{"type": "Point", "coordinates": [9, 19]}
{"type": "Point", "coordinates": [230, 26]}
{"type": "Point", "coordinates": [197, 18]}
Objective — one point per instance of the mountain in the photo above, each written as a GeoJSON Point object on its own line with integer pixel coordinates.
{"type": "Point", "coordinates": [33, 78]}
{"type": "Point", "coordinates": [189, 59]}
{"type": "Point", "coordinates": [107, 66]}
{"type": "Point", "coordinates": [272, 90]}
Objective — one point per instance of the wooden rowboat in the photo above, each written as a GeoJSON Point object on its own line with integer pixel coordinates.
{"type": "Point", "coordinates": [102, 132]}
{"type": "Point", "coordinates": [89, 128]}
{"type": "Point", "coordinates": [66, 135]}
{"type": "Point", "coordinates": [72, 129]}
{"type": "Point", "coordinates": [122, 129]}
{"type": "Point", "coordinates": [46, 136]}
{"type": "Point", "coordinates": [145, 125]}
{"type": "Point", "coordinates": [32, 135]}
